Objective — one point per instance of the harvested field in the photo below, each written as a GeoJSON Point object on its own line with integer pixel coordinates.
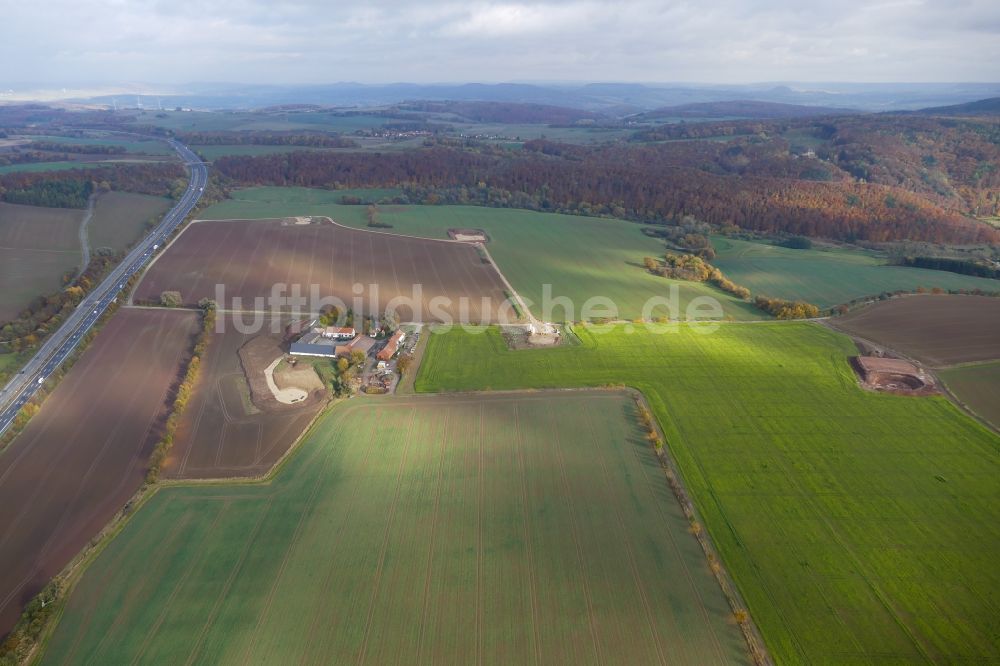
{"type": "Point", "coordinates": [250, 256]}
{"type": "Point", "coordinates": [84, 454]}
{"type": "Point", "coordinates": [120, 218]}
{"type": "Point", "coordinates": [37, 247]}
{"type": "Point", "coordinates": [939, 330]}
{"type": "Point", "coordinates": [860, 527]}
{"type": "Point", "coordinates": [977, 386]}
{"type": "Point", "coordinates": [490, 529]}
{"type": "Point", "coordinates": [224, 431]}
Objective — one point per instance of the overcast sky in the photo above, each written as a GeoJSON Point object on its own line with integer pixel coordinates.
{"type": "Point", "coordinates": [319, 41]}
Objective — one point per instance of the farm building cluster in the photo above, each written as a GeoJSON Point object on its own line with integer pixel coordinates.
{"type": "Point", "coordinates": [340, 341]}
{"type": "Point", "coordinates": [309, 338]}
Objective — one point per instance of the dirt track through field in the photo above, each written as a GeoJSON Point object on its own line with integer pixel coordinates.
{"type": "Point", "coordinates": [250, 256]}
{"type": "Point", "coordinates": [84, 454]}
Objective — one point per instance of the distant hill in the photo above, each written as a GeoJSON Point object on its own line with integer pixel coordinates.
{"type": "Point", "coordinates": [504, 112]}
{"type": "Point", "coordinates": [608, 98]}
{"type": "Point", "coordinates": [742, 108]}
{"type": "Point", "coordinates": [983, 107]}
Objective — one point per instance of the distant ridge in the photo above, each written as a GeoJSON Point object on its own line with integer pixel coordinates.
{"type": "Point", "coordinates": [982, 107]}
{"type": "Point", "coordinates": [503, 112]}
{"type": "Point", "coordinates": [743, 108]}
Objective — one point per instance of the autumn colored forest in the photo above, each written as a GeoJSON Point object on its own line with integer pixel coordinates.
{"type": "Point", "coordinates": [873, 178]}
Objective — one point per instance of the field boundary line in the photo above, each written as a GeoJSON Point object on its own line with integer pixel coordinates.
{"type": "Point", "coordinates": [157, 414]}
{"type": "Point", "coordinates": [156, 257]}
{"type": "Point", "coordinates": [84, 235]}
{"type": "Point", "coordinates": [137, 591]}
{"type": "Point", "coordinates": [262, 614]}
{"type": "Point", "coordinates": [336, 224]}
{"type": "Point", "coordinates": [756, 647]}
{"type": "Point", "coordinates": [112, 570]}
{"type": "Point", "coordinates": [513, 292]}
{"type": "Point", "coordinates": [861, 569]}
{"type": "Point", "coordinates": [633, 567]}
{"type": "Point", "coordinates": [932, 370]}
{"type": "Point", "coordinates": [949, 393]}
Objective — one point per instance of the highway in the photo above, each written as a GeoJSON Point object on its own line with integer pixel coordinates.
{"type": "Point", "coordinates": [63, 341]}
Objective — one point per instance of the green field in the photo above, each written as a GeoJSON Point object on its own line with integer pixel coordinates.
{"type": "Point", "coordinates": [505, 529]}
{"type": "Point", "coordinates": [977, 385]}
{"type": "Point", "coordinates": [581, 257]}
{"type": "Point", "coordinates": [120, 218]}
{"type": "Point", "coordinates": [860, 527]}
{"type": "Point", "coordinates": [37, 246]}
{"type": "Point", "coordinates": [827, 277]}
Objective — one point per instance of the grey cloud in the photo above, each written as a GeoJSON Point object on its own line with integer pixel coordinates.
{"type": "Point", "coordinates": [639, 40]}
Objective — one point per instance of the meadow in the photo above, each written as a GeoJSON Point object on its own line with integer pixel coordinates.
{"type": "Point", "coordinates": [828, 276]}
{"type": "Point", "coordinates": [489, 529]}
{"type": "Point", "coordinates": [580, 257]}
{"type": "Point", "coordinates": [37, 246]}
{"type": "Point", "coordinates": [859, 527]}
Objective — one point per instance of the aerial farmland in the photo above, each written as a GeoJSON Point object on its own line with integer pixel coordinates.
{"type": "Point", "coordinates": [497, 528]}
{"type": "Point", "coordinates": [249, 257]}
{"type": "Point", "coordinates": [297, 367]}
{"type": "Point", "coordinates": [84, 454]}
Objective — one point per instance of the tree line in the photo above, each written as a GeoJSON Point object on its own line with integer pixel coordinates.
{"type": "Point", "coordinates": [183, 394]}
{"type": "Point", "coordinates": [233, 138]}
{"type": "Point", "coordinates": [961, 266]}
{"type": "Point", "coordinates": [78, 148]}
{"type": "Point", "coordinates": [45, 312]}
{"type": "Point", "coordinates": [71, 188]}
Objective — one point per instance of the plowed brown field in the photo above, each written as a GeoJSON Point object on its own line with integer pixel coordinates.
{"type": "Point", "coordinates": [250, 256]}
{"type": "Point", "coordinates": [84, 454]}
{"type": "Point", "coordinates": [222, 434]}
{"type": "Point", "coordinates": [939, 330]}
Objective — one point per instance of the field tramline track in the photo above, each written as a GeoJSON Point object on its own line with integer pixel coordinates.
{"type": "Point", "coordinates": [66, 338]}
